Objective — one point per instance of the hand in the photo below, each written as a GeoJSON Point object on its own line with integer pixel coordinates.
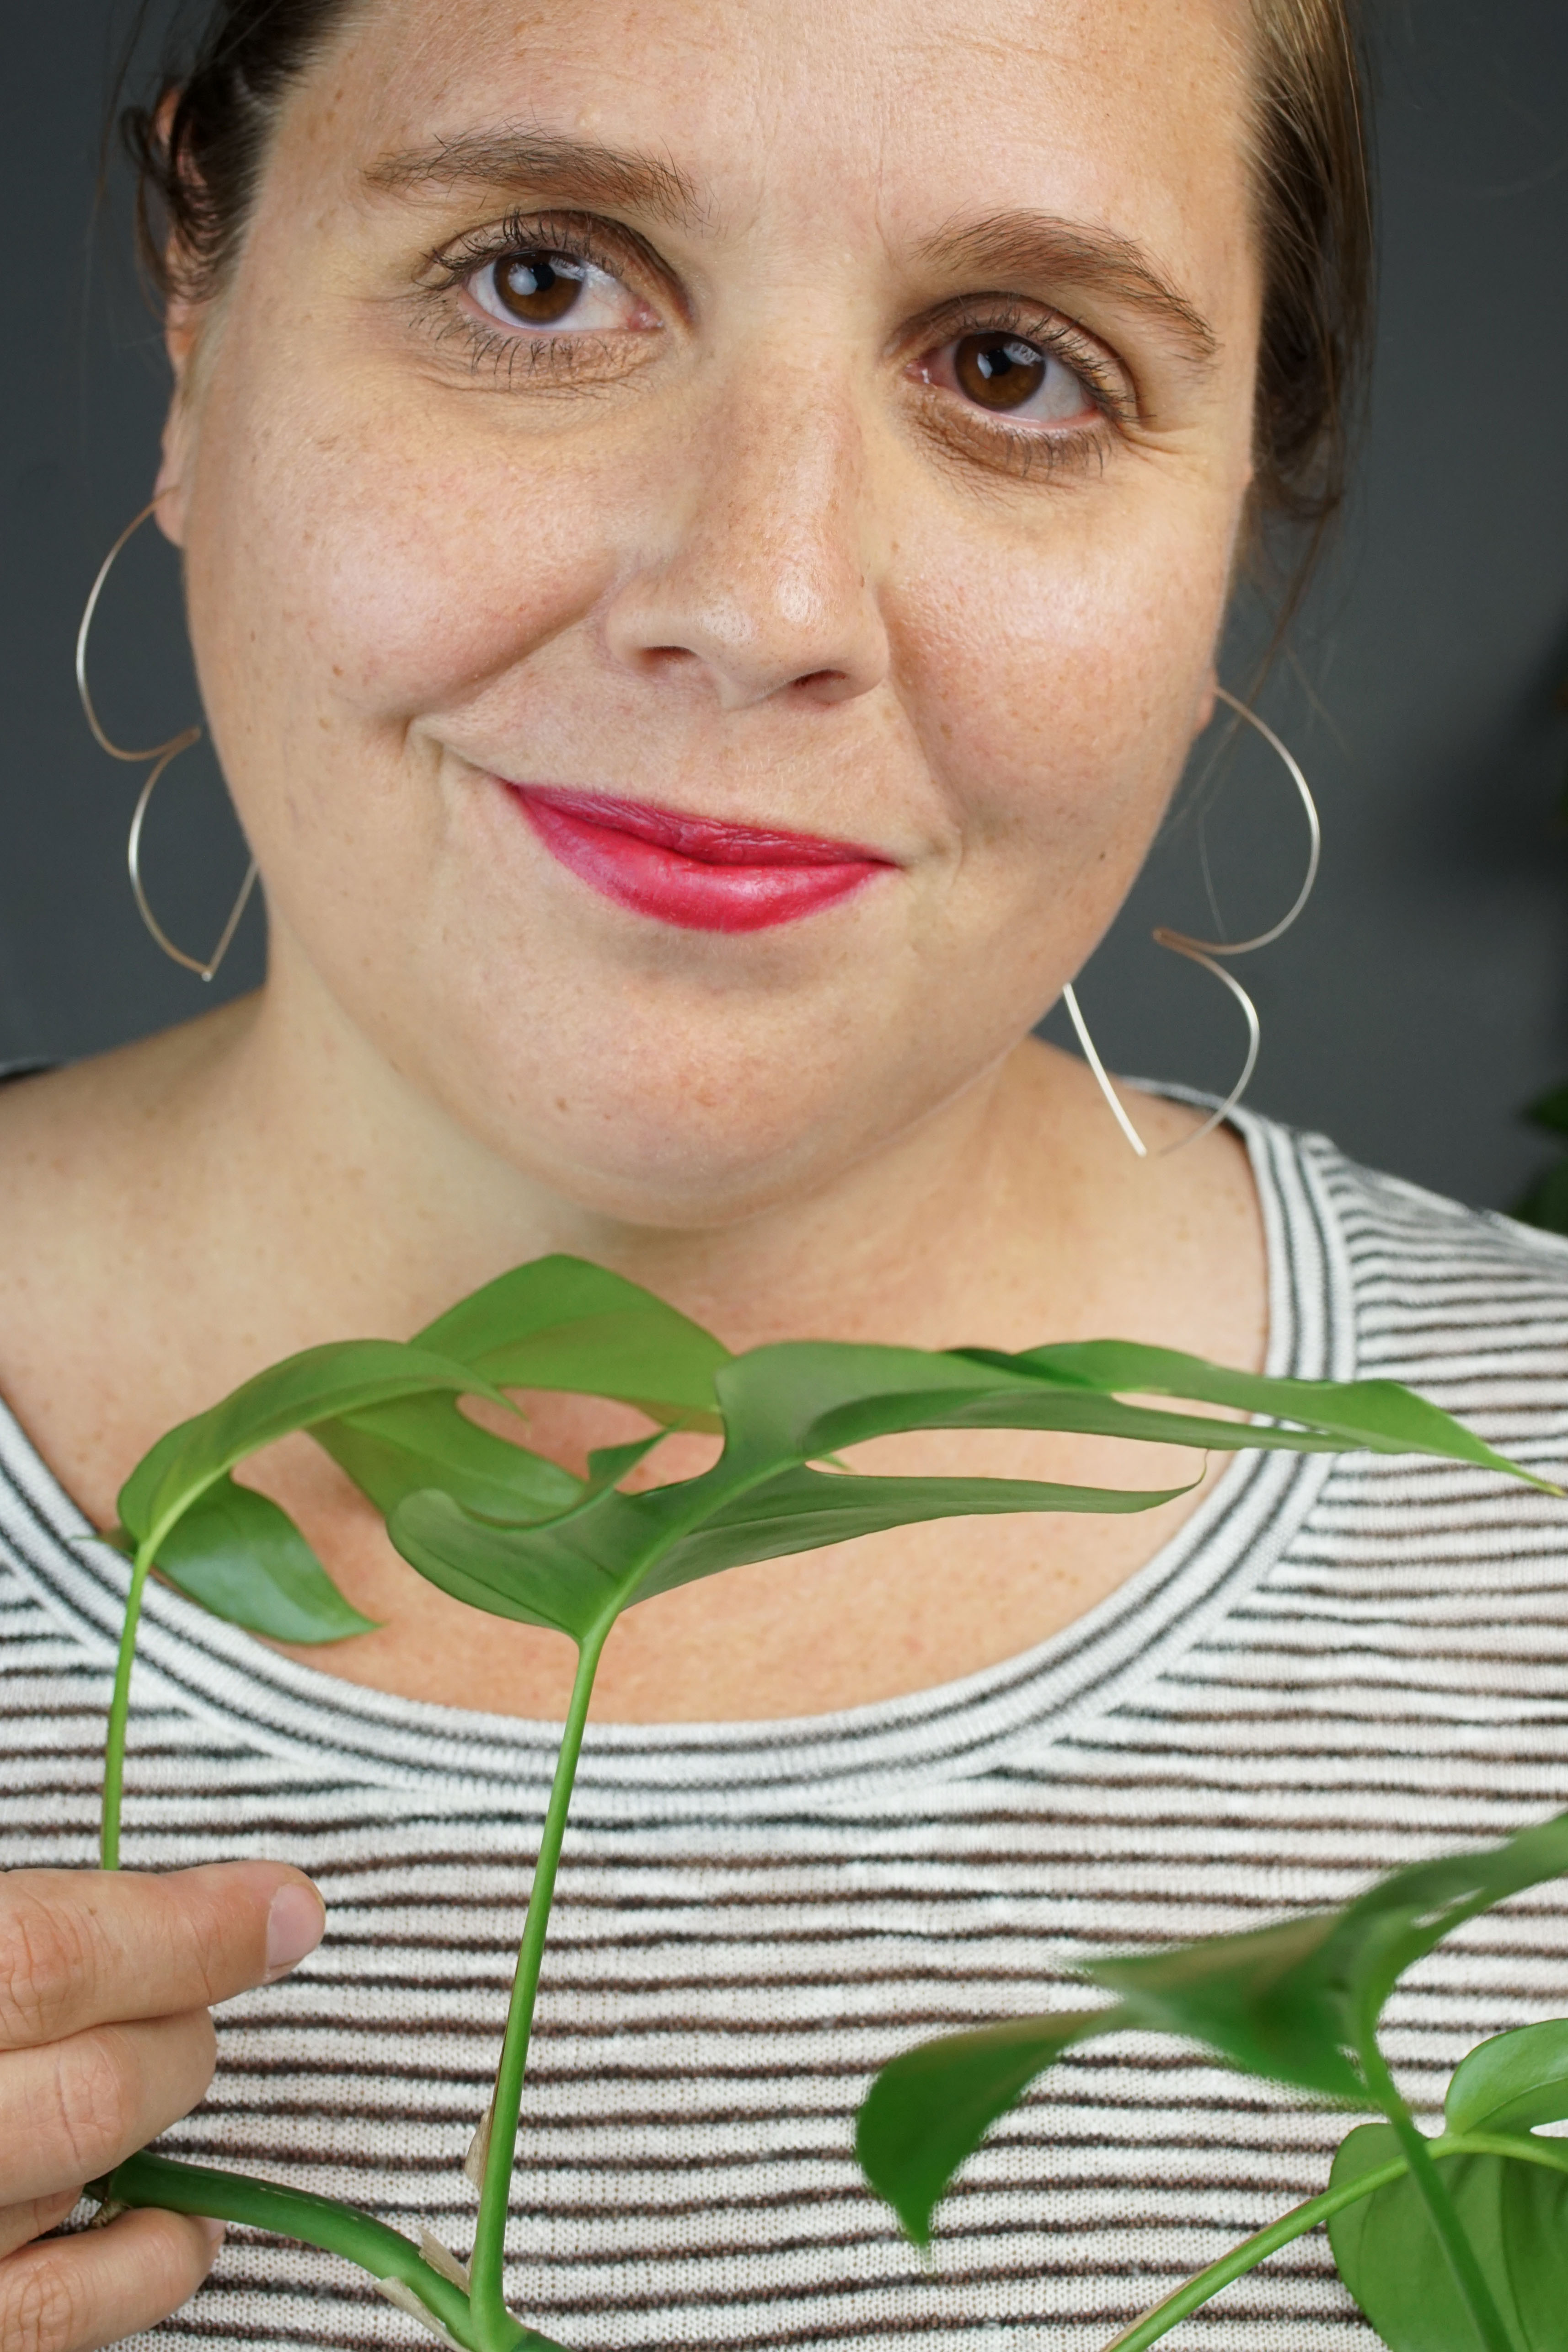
{"type": "Point", "coordinates": [105, 1982]}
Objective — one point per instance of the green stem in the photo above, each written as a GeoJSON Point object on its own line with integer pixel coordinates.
{"type": "Point", "coordinates": [118, 1713]}
{"type": "Point", "coordinates": [315, 2221]}
{"type": "Point", "coordinates": [1247, 2255]}
{"type": "Point", "coordinates": [1468, 2276]}
{"type": "Point", "coordinates": [491, 2316]}
{"type": "Point", "coordinates": [1552, 2154]}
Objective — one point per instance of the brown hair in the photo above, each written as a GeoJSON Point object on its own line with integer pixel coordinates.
{"type": "Point", "coordinates": [200, 147]}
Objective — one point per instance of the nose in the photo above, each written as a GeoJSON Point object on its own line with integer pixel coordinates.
{"type": "Point", "coordinates": [759, 574]}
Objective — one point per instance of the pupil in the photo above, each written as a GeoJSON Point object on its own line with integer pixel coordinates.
{"type": "Point", "coordinates": [539, 287]}
{"type": "Point", "coordinates": [998, 370]}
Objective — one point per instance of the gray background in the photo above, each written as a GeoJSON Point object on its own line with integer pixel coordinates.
{"type": "Point", "coordinates": [1423, 998]}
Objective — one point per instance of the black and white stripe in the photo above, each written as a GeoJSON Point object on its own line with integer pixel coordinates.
{"type": "Point", "coordinates": [1334, 1667]}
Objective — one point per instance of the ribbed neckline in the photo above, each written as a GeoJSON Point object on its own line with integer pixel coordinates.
{"type": "Point", "coordinates": [311, 1722]}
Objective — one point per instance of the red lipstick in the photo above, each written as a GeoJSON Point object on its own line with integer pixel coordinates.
{"type": "Point", "coordinates": [693, 871]}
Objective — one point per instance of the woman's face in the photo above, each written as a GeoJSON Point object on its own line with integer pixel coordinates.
{"type": "Point", "coordinates": [826, 420]}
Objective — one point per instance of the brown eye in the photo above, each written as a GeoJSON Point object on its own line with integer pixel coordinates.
{"type": "Point", "coordinates": [999, 371]}
{"type": "Point", "coordinates": [538, 287]}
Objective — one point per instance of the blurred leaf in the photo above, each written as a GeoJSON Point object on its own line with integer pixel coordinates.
{"type": "Point", "coordinates": [1545, 1204]}
{"type": "Point", "coordinates": [342, 1377]}
{"type": "Point", "coordinates": [1549, 1111]}
{"type": "Point", "coordinates": [933, 2105]}
{"type": "Point", "coordinates": [392, 1450]}
{"type": "Point", "coordinates": [1395, 1921]}
{"type": "Point", "coordinates": [1262, 2000]}
{"type": "Point", "coordinates": [1515, 2215]}
{"type": "Point", "coordinates": [562, 1323]}
{"type": "Point", "coordinates": [241, 1557]}
{"type": "Point", "coordinates": [1292, 2002]}
{"type": "Point", "coordinates": [1513, 2082]}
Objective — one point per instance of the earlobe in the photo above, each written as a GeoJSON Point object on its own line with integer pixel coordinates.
{"type": "Point", "coordinates": [1206, 702]}
{"type": "Point", "coordinates": [179, 340]}
{"type": "Point", "coordinates": [168, 504]}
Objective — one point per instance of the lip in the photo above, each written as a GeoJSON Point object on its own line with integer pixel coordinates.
{"type": "Point", "coordinates": [693, 871]}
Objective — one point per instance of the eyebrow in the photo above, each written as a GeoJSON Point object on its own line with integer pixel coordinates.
{"type": "Point", "coordinates": [1038, 247]}
{"type": "Point", "coordinates": [569, 171]}
{"type": "Point", "coordinates": [1005, 246]}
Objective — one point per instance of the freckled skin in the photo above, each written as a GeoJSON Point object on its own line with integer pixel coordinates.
{"type": "Point", "coordinates": [612, 588]}
{"type": "Point", "coordinates": [752, 558]}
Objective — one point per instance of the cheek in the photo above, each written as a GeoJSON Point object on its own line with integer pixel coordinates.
{"type": "Point", "coordinates": [346, 580]}
{"type": "Point", "coordinates": [1060, 673]}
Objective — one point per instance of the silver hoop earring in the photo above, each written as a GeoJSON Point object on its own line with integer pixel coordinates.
{"type": "Point", "coordinates": [161, 754]}
{"type": "Point", "coordinates": [1204, 952]}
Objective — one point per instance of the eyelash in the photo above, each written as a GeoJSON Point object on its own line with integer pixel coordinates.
{"type": "Point", "coordinates": [1032, 449]}
{"type": "Point", "coordinates": [450, 269]}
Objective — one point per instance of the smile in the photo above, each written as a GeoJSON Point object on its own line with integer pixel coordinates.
{"type": "Point", "coordinates": [693, 871]}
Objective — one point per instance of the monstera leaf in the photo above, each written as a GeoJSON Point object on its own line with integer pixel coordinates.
{"type": "Point", "coordinates": [244, 1558]}
{"type": "Point", "coordinates": [388, 1414]}
{"type": "Point", "coordinates": [562, 1323]}
{"type": "Point", "coordinates": [500, 1526]}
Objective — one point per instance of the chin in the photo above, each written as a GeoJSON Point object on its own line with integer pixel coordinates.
{"type": "Point", "coordinates": [675, 1162]}
{"type": "Point", "coordinates": [687, 1140]}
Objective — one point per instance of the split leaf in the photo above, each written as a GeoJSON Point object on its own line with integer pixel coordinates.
{"type": "Point", "coordinates": [613, 1550]}
{"type": "Point", "coordinates": [344, 1376]}
{"type": "Point", "coordinates": [1513, 2082]}
{"type": "Point", "coordinates": [1379, 1416]}
{"type": "Point", "coordinates": [562, 1323]}
{"type": "Point", "coordinates": [394, 1449]}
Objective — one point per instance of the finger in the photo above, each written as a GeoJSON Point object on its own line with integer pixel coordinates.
{"type": "Point", "coordinates": [83, 1948]}
{"type": "Point", "coordinates": [18, 2223]}
{"type": "Point", "coordinates": [78, 2107]}
{"type": "Point", "coordinates": [73, 2294]}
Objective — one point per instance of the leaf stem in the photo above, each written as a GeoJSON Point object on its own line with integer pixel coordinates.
{"type": "Point", "coordinates": [493, 2322]}
{"type": "Point", "coordinates": [313, 2220]}
{"type": "Point", "coordinates": [119, 1712]}
{"type": "Point", "coordinates": [1247, 2255]}
{"type": "Point", "coordinates": [1468, 2276]}
{"type": "Point", "coordinates": [1550, 2154]}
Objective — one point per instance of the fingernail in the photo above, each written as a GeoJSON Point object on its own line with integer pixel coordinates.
{"type": "Point", "coordinates": [295, 1925]}
{"type": "Point", "coordinates": [215, 2230]}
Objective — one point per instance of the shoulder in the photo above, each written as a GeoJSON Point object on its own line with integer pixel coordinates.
{"type": "Point", "coordinates": [1466, 1305]}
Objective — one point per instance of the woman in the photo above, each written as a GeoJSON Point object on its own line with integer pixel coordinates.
{"type": "Point", "coordinates": [706, 541]}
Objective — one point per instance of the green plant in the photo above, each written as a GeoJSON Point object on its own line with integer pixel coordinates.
{"type": "Point", "coordinates": [1545, 1204]}
{"type": "Point", "coordinates": [508, 1531]}
{"type": "Point", "coordinates": [1455, 2244]}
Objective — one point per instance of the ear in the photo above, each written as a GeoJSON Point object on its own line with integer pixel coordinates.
{"type": "Point", "coordinates": [182, 321]}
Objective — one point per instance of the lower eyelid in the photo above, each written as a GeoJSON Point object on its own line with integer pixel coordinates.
{"type": "Point", "coordinates": [1099, 406]}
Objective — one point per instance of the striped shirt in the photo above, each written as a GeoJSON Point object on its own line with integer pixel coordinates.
{"type": "Point", "coordinates": [1334, 1667]}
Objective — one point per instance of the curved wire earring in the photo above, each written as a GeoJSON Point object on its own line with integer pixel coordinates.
{"type": "Point", "coordinates": [1204, 952]}
{"type": "Point", "coordinates": [162, 754]}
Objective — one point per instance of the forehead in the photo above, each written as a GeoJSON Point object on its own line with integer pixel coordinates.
{"type": "Point", "coordinates": [896, 114]}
